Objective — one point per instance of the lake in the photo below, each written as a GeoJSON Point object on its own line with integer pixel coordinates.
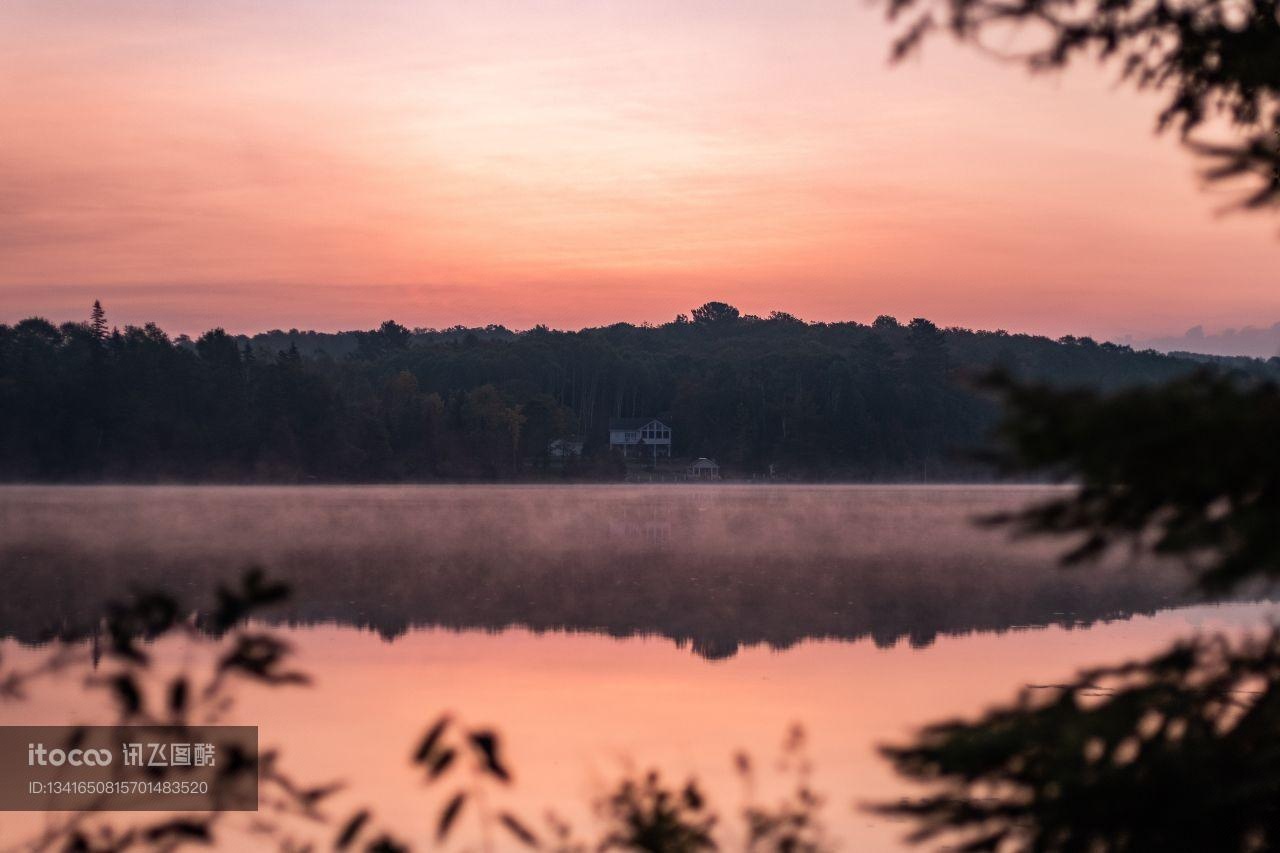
{"type": "Point", "coordinates": [596, 627]}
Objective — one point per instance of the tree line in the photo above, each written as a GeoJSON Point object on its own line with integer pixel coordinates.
{"type": "Point", "coordinates": [84, 401]}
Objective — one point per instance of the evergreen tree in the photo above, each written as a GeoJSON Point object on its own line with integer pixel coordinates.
{"type": "Point", "coordinates": [98, 322]}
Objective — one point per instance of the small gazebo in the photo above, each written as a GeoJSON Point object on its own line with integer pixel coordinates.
{"type": "Point", "coordinates": [704, 469]}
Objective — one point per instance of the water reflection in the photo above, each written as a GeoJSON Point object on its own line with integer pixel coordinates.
{"type": "Point", "coordinates": [527, 609]}
{"type": "Point", "coordinates": [712, 568]}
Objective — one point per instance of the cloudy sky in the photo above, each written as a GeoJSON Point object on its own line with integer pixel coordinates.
{"type": "Point", "coordinates": [332, 163]}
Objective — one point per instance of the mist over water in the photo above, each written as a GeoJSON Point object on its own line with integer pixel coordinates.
{"type": "Point", "coordinates": [596, 627]}
{"type": "Point", "coordinates": [714, 567]}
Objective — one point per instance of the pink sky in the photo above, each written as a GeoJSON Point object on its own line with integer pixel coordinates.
{"type": "Point", "coordinates": [330, 164]}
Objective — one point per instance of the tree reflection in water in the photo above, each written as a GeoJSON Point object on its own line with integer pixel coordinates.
{"type": "Point", "coordinates": [732, 567]}
{"type": "Point", "coordinates": [461, 763]}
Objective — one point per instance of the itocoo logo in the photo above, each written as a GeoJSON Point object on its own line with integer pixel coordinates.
{"type": "Point", "coordinates": [38, 754]}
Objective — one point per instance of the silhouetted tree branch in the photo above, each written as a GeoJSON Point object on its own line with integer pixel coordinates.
{"type": "Point", "coordinates": [1178, 752]}
{"type": "Point", "coordinates": [1215, 59]}
{"type": "Point", "coordinates": [1189, 469]}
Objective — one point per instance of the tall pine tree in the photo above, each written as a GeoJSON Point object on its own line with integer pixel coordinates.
{"type": "Point", "coordinates": [98, 322]}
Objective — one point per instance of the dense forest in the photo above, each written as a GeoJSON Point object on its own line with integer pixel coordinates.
{"type": "Point", "coordinates": [887, 401]}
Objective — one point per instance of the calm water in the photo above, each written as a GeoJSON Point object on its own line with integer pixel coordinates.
{"type": "Point", "coordinates": [596, 626]}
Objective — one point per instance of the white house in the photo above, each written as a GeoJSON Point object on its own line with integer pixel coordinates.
{"type": "Point", "coordinates": [640, 437]}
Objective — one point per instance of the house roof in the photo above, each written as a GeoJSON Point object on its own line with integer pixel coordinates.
{"type": "Point", "coordinates": [704, 462]}
{"type": "Point", "coordinates": [632, 423]}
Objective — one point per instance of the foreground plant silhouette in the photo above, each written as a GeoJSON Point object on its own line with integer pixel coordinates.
{"type": "Point", "coordinates": [640, 813]}
{"type": "Point", "coordinates": [142, 696]}
{"type": "Point", "coordinates": [1218, 60]}
{"type": "Point", "coordinates": [1180, 751]}
{"type": "Point", "coordinates": [1176, 752]}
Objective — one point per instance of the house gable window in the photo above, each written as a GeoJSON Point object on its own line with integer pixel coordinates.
{"type": "Point", "coordinates": [655, 431]}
